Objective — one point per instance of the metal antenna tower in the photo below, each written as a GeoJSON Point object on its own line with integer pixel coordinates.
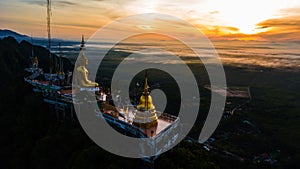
{"type": "Point", "coordinates": [49, 32]}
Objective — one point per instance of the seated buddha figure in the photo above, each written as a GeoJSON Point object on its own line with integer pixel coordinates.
{"type": "Point", "coordinates": [82, 74]}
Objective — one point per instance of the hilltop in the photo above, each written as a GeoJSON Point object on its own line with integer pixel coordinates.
{"type": "Point", "coordinates": [5, 33]}
{"type": "Point", "coordinates": [15, 57]}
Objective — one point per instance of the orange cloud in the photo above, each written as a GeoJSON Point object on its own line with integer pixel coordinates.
{"type": "Point", "coordinates": [282, 29]}
{"type": "Point", "coordinates": [221, 33]}
{"type": "Point", "coordinates": [219, 21]}
{"type": "Point", "coordinates": [278, 29]}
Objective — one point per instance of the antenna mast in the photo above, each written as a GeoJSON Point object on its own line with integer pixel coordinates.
{"type": "Point", "coordinates": [49, 32]}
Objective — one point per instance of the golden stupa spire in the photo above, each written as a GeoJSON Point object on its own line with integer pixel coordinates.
{"type": "Point", "coordinates": [146, 100]}
{"type": "Point", "coordinates": [146, 91]}
{"type": "Point", "coordinates": [146, 87]}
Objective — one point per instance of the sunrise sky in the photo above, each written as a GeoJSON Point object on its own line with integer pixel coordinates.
{"type": "Point", "coordinates": [263, 20]}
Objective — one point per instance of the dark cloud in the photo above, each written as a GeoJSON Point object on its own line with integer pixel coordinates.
{"type": "Point", "coordinates": [40, 3]}
{"type": "Point", "coordinates": [65, 3]}
{"type": "Point", "coordinates": [78, 25]}
{"type": "Point", "coordinates": [55, 3]}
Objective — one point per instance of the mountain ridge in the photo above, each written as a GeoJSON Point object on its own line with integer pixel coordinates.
{"type": "Point", "coordinates": [15, 57]}
{"type": "Point", "coordinates": [35, 40]}
{"type": "Point", "coordinates": [7, 32]}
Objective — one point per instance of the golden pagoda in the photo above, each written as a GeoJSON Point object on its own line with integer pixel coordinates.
{"type": "Point", "coordinates": [145, 114]}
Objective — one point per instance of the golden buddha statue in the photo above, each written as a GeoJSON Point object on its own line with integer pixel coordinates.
{"type": "Point", "coordinates": [145, 115]}
{"type": "Point", "coordinates": [81, 71]}
{"type": "Point", "coordinates": [35, 63]}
